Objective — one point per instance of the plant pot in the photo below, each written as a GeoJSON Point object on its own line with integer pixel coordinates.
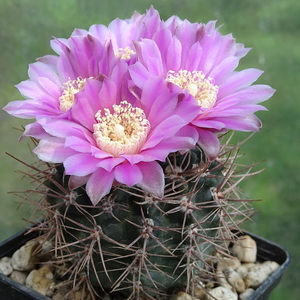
{"type": "Point", "coordinates": [10, 289]}
{"type": "Point", "coordinates": [266, 250]}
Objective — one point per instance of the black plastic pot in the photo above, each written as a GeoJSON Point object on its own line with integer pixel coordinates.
{"type": "Point", "coordinates": [10, 289]}
{"type": "Point", "coordinates": [266, 250]}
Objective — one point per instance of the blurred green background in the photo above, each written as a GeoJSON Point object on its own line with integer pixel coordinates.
{"type": "Point", "coordinates": [271, 27]}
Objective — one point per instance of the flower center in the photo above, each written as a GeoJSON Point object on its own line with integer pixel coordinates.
{"type": "Point", "coordinates": [195, 82]}
{"type": "Point", "coordinates": [122, 132]}
{"type": "Point", "coordinates": [70, 88]}
{"type": "Point", "coordinates": [124, 53]}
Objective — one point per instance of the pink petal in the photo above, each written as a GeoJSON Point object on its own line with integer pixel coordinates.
{"type": "Point", "coordinates": [150, 56]}
{"type": "Point", "coordinates": [32, 90]}
{"type": "Point", "coordinates": [77, 181]}
{"type": "Point", "coordinates": [50, 60]}
{"type": "Point", "coordinates": [222, 71]}
{"type": "Point", "coordinates": [78, 144]}
{"type": "Point", "coordinates": [139, 74]}
{"type": "Point", "coordinates": [53, 89]}
{"type": "Point", "coordinates": [248, 123]}
{"type": "Point", "coordinates": [108, 163]}
{"type": "Point", "coordinates": [39, 69]}
{"type": "Point", "coordinates": [51, 149]}
{"type": "Point", "coordinates": [174, 54]}
{"type": "Point", "coordinates": [252, 94]}
{"type": "Point", "coordinates": [80, 164]}
{"type": "Point", "coordinates": [193, 57]}
{"type": "Point", "coordinates": [63, 128]}
{"type": "Point", "coordinates": [153, 180]}
{"type": "Point", "coordinates": [164, 130]}
{"type": "Point", "coordinates": [128, 174]}
{"type": "Point", "coordinates": [238, 81]}
{"type": "Point", "coordinates": [165, 147]}
{"type": "Point", "coordinates": [99, 185]}
{"type": "Point", "coordinates": [34, 130]}
{"type": "Point", "coordinates": [209, 143]}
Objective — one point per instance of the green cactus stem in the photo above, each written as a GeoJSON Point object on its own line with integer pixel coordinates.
{"type": "Point", "coordinates": [135, 244]}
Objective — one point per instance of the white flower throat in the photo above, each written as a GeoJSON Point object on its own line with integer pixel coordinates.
{"type": "Point", "coordinates": [124, 53]}
{"type": "Point", "coordinates": [195, 82]}
{"type": "Point", "coordinates": [122, 132]}
{"type": "Point", "coordinates": [70, 88]}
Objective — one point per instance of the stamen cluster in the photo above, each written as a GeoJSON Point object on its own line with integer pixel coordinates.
{"type": "Point", "coordinates": [124, 53]}
{"type": "Point", "coordinates": [195, 82]}
{"type": "Point", "coordinates": [70, 88]}
{"type": "Point", "coordinates": [122, 132]}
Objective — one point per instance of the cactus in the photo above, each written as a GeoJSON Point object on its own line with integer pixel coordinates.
{"type": "Point", "coordinates": [136, 244]}
{"type": "Point", "coordinates": [138, 191]}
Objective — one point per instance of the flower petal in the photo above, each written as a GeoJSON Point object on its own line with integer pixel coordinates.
{"type": "Point", "coordinates": [77, 181]}
{"type": "Point", "coordinates": [51, 149]}
{"type": "Point", "coordinates": [80, 164]}
{"type": "Point", "coordinates": [99, 185]}
{"type": "Point", "coordinates": [153, 180]}
{"type": "Point", "coordinates": [209, 143]}
{"type": "Point", "coordinates": [128, 174]}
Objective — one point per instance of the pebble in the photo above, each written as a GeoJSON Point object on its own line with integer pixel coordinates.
{"type": "Point", "coordinates": [226, 262]}
{"type": "Point", "coordinates": [245, 249]}
{"type": "Point", "coordinates": [269, 267]}
{"type": "Point", "coordinates": [258, 274]}
{"type": "Point", "coordinates": [45, 250]}
{"type": "Point", "coordinates": [46, 246]}
{"type": "Point", "coordinates": [182, 296]}
{"type": "Point", "coordinates": [19, 276]}
{"type": "Point", "coordinates": [245, 295]}
{"type": "Point", "coordinates": [237, 278]}
{"type": "Point", "coordinates": [23, 259]}
{"type": "Point", "coordinates": [222, 280]}
{"type": "Point", "coordinates": [5, 266]}
{"type": "Point", "coordinates": [79, 294]}
{"type": "Point", "coordinates": [41, 280]}
{"type": "Point", "coordinates": [221, 293]}
{"type": "Point", "coordinates": [242, 271]}
{"type": "Point", "coordinates": [199, 291]}
{"type": "Point", "coordinates": [234, 280]}
{"type": "Point", "coordinates": [210, 285]}
{"type": "Point", "coordinates": [255, 278]}
{"type": "Point", "coordinates": [250, 266]}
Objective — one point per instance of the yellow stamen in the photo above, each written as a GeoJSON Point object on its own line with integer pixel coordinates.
{"type": "Point", "coordinates": [122, 132]}
{"type": "Point", "coordinates": [124, 53]}
{"type": "Point", "coordinates": [195, 82]}
{"type": "Point", "coordinates": [70, 88]}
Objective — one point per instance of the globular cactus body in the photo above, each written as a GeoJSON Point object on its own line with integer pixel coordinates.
{"type": "Point", "coordinates": [135, 243]}
{"type": "Point", "coordinates": [133, 99]}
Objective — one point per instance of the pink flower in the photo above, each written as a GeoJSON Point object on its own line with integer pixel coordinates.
{"type": "Point", "coordinates": [54, 80]}
{"type": "Point", "coordinates": [123, 33]}
{"type": "Point", "coordinates": [114, 139]}
{"type": "Point", "coordinates": [116, 100]}
{"type": "Point", "coordinates": [198, 59]}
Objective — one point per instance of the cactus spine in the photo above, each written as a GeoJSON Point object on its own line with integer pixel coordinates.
{"type": "Point", "coordinates": [135, 244]}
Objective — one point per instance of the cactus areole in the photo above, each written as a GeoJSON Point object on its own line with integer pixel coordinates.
{"type": "Point", "coordinates": [139, 180]}
{"type": "Point", "coordinates": [132, 240]}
